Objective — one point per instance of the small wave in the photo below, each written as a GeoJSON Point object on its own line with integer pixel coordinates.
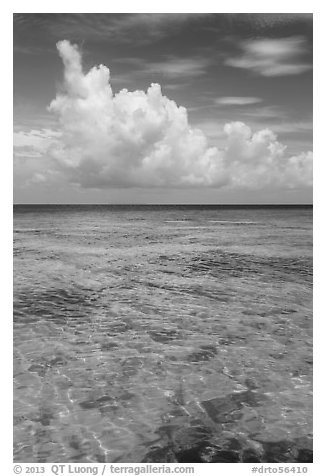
{"type": "Point", "coordinates": [178, 221]}
{"type": "Point", "coordinates": [235, 222]}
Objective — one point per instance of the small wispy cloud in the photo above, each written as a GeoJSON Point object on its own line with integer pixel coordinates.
{"type": "Point", "coordinates": [237, 100]}
{"type": "Point", "coordinates": [33, 143]}
{"type": "Point", "coordinates": [265, 113]}
{"type": "Point", "coordinates": [267, 21]}
{"type": "Point", "coordinates": [294, 127]}
{"type": "Point", "coordinates": [172, 67]}
{"type": "Point", "coordinates": [173, 72]}
{"type": "Point", "coordinates": [178, 67]}
{"type": "Point", "coordinates": [32, 50]}
{"type": "Point", "coordinates": [176, 86]}
{"type": "Point", "coordinates": [273, 57]}
{"type": "Point", "coordinates": [122, 27]}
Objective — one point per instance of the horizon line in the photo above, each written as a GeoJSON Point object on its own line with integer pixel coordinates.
{"type": "Point", "coordinates": [174, 204]}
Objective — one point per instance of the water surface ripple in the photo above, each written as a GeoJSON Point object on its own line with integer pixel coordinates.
{"type": "Point", "coordinates": [162, 334]}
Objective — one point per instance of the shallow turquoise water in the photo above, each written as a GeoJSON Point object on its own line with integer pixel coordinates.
{"type": "Point", "coordinates": [162, 334]}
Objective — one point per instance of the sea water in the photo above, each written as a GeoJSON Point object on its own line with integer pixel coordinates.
{"type": "Point", "coordinates": [162, 333]}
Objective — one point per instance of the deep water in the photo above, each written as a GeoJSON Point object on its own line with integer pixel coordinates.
{"type": "Point", "coordinates": [162, 334]}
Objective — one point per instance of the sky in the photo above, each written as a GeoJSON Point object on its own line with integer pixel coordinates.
{"type": "Point", "coordinates": [163, 108]}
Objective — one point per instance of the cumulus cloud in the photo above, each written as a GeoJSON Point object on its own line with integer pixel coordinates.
{"type": "Point", "coordinates": [131, 138]}
{"type": "Point", "coordinates": [273, 57]}
{"type": "Point", "coordinates": [144, 139]}
{"type": "Point", "coordinates": [257, 160]}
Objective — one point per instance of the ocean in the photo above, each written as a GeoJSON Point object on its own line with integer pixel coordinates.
{"type": "Point", "coordinates": [162, 333]}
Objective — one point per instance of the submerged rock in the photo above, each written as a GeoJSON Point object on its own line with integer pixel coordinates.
{"type": "Point", "coordinates": [189, 437]}
{"type": "Point", "coordinates": [39, 369]}
{"type": "Point", "coordinates": [191, 455]}
{"type": "Point", "coordinates": [226, 409]}
{"type": "Point", "coordinates": [200, 448]}
{"type": "Point", "coordinates": [250, 456]}
{"type": "Point", "coordinates": [160, 455]}
{"type": "Point", "coordinates": [305, 456]}
{"type": "Point", "coordinates": [96, 403]}
{"type": "Point", "coordinates": [207, 453]}
{"type": "Point", "coordinates": [279, 451]}
{"type": "Point", "coordinates": [221, 410]}
{"type": "Point", "coordinates": [164, 335]}
{"type": "Point", "coordinates": [205, 352]}
{"type": "Point", "coordinates": [226, 456]}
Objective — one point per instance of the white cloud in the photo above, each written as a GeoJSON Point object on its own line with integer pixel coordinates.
{"type": "Point", "coordinates": [257, 160]}
{"type": "Point", "coordinates": [131, 138]}
{"type": "Point", "coordinates": [178, 67]}
{"type": "Point", "coordinates": [144, 139]}
{"type": "Point", "coordinates": [237, 100]}
{"type": "Point", "coordinates": [34, 143]}
{"type": "Point", "coordinates": [293, 127]}
{"type": "Point", "coordinates": [265, 21]}
{"type": "Point", "coordinates": [170, 67]}
{"type": "Point", "coordinates": [273, 57]}
{"type": "Point", "coordinates": [140, 28]}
